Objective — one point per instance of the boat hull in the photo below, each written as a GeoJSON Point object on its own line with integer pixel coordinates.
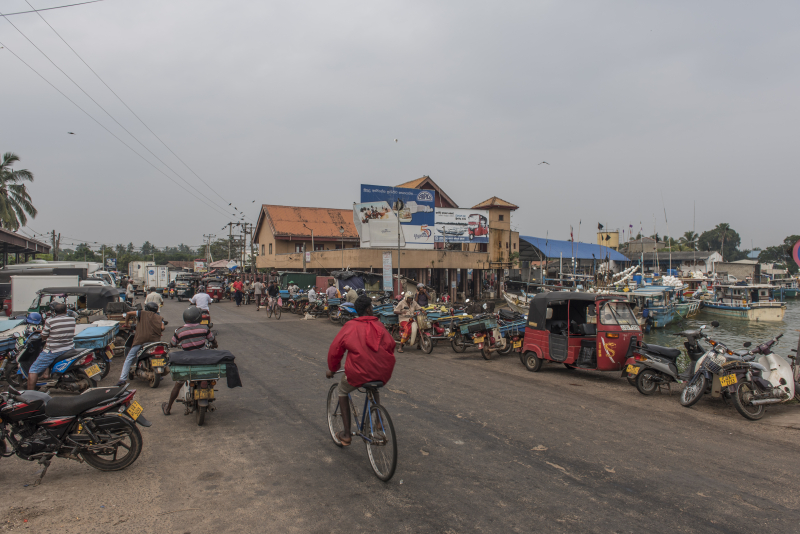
{"type": "Point", "coordinates": [516, 304]}
{"type": "Point", "coordinates": [766, 314]}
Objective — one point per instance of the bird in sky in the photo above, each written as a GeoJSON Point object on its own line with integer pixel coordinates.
{"type": "Point", "coordinates": [544, 163]}
{"type": "Point", "coordinates": [229, 203]}
{"type": "Point", "coordinates": [71, 133]}
{"type": "Point", "coordinates": [395, 140]}
{"type": "Point", "coordinates": [254, 201]}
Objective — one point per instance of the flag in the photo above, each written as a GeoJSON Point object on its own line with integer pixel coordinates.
{"type": "Point", "coordinates": [570, 234]}
{"type": "Point", "coordinates": [599, 226]}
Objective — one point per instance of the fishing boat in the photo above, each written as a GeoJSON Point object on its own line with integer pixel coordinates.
{"type": "Point", "coordinates": [753, 302]}
{"type": "Point", "coordinates": [653, 305]}
{"type": "Point", "coordinates": [785, 288]}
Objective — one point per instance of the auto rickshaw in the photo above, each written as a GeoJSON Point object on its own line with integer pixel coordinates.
{"type": "Point", "coordinates": [215, 290]}
{"type": "Point", "coordinates": [185, 285]}
{"type": "Point", "coordinates": [85, 301]}
{"type": "Point", "coordinates": [579, 330]}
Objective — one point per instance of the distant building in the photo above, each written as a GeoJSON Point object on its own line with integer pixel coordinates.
{"type": "Point", "coordinates": [644, 244]}
{"type": "Point", "coordinates": [684, 261]}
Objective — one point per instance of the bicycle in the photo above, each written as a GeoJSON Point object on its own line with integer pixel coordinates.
{"type": "Point", "coordinates": [272, 307]}
{"type": "Point", "coordinates": [379, 438]}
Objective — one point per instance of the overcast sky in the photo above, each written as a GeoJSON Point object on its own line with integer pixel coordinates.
{"type": "Point", "coordinates": [299, 102]}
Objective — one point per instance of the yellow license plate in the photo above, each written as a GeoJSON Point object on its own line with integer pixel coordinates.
{"type": "Point", "coordinates": [111, 346]}
{"type": "Point", "coordinates": [727, 380]}
{"type": "Point", "coordinates": [517, 344]}
{"type": "Point", "coordinates": [478, 339]}
{"type": "Point", "coordinates": [110, 354]}
{"type": "Point", "coordinates": [326, 307]}
{"type": "Point", "coordinates": [93, 370]}
{"type": "Point", "coordinates": [204, 321]}
{"type": "Point", "coordinates": [203, 394]}
{"type": "Point", "coordinates": [632, 369]}
{"type": "Point", "coordinates": [134, 410]}
{"type": "Point", "coordinates": [158, 363]}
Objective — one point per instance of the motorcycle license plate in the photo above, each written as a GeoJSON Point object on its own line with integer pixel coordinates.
{"type": "Point", "coordinates": [204, 321]}
{"type": "Point", "coordinates": [134, 410]}
{"type": "Point", "coordinates": [157, 363]}
{"type": "Point", "coordinates": [326, 307]}
{"type": "Point", "coordinates": [203, 394]}
{"type": "Point", "coordinates": [478, 339]}
{"type": "Point", "coordinates": [632, 369]}
{"type": "Point", "coordinates": [727, 380]}
{"type": "Point", "coordinates": [91, 371]}
{"type": "Point", "coordinates": [517, 344]}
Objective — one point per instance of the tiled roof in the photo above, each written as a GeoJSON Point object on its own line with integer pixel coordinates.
{"type": "Point", "coordinates": [419, 183]}
{"type": "Point", "coordinates": [413, 184]}
{"type": "Point", "coordinates": [325, 222]}
{"type": "Point", "coordinates": [495, 202]}
{"type": "Point", "coordinates": [181, 264]}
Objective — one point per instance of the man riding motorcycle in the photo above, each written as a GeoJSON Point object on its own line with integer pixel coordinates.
{"type": "Point", "coordinates": [191, 336]}
{"type": "Point", "coordinates": [58, 334]}
{"type": "Point", "coordinates": [149, 327]}
{"type": "Point", "coordinates": [406, 309]}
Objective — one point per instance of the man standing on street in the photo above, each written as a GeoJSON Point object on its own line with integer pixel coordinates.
{"type": "Point", "coordinates": [238, 287]}
{"type": "Point", "coordinates": [149, 327]}
{"type": "Point", "coordinates": [258, 290]}
{"type": "Point", "coordinates": [331, 291]}
{"type": "Point", "coordinates": [351, 294]}
{"type": "Point", "coordinates": [370, 357]}
{"type": "Point", "coordinates": [129, 293]}
{"type": "Point", "coordinates": [58, 333]}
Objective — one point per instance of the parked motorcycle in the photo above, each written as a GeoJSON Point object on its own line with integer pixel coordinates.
{"type": "Point", "coordinates": [73, 371]}
{"type": "Point", "coordinates": [98, 427]}
{"type": "Point", "coordinates": [200, 370]}
{"type": "Point", "coordinates": [707, 366]}
{"type": "Point", "coordinates": [347, 311]}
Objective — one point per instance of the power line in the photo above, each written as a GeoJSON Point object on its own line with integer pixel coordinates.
{"type": "Point", "coordinates": [109, 131]}
{"type": "Point", "coordinates": [51, 8]}
{"type": "Point", "coordinates": [95, 101]}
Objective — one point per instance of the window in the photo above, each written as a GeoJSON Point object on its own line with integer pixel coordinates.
{"type": "Point", "coordinates": [506, 244]}
{"type": "Point", "coordinates": [270, 248]}
{"type": "Point", "coordinates": [515, 246]}
{"type": "Point", "coordinates": [614, 313]}
{"type": "Point", "coordinates": [262, 250]}
{"type": "Point", "coordinates": [319, 247]}
{"type": "Point", "coordinates": [501, 217]}
{"type": "Point", "coordinates": [338, 246]}
{"type": "Point", "coordinates": [298, 247]}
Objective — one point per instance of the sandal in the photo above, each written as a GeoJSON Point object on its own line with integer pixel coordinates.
{"type": "Point", "coordinates": [164, 408]}
{"type": "Point", "coordinates": [400, 348]}
{"type": "Point", "coordinates": [341, 438]}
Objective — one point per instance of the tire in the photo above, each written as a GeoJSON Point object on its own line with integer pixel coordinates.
{"type": "Point", "coordinates": [797, 391]}
{"type": "Point", "coordinates": [155, 381]}
{"type": "Point", "coordinates": [695, 389]}
{"type": "Point", "coordinates": [134, 444]}
{"type": "Point", "coordinates": [457, 343]}
{"type": "Point", "coordinates": [334, 417]}
{"type": "Point", "coordinates": [269, 312]}
{"type": "Point", "coordinates": [425, 343]}
{"type": "Point", "coordinates": [382, 443]}
{"type": "Point", "coordinates": [742, 402]}
{"type": "Point", "coordinates": [631, 380]}
{"type": "Point", "coordinates": [343, 318]}
{"type": "Point", "coordinates": [532, 362]}
{"type": "Point", "coordinates": [277, 312]}
{"type": "Point", "coordinates": [569, 366]}
{"type": "Point", "coordinates": [486, 352]}
{"type": "Point", "coordinates": [645, 383]}
{"type": "Point", "coordinates": [334, 316]}
{"type": "Point", "coordinates": [200, 415]}
{"type": "Point", "coordinates": [507, 349]}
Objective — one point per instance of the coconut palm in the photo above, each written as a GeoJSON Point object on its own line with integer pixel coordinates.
{"type": "Point", "coordinates": [689, 239]}
{"type": "Point", "coordinates": [723, 229]}
{"type": "Point", "coordinates": [15, 202]}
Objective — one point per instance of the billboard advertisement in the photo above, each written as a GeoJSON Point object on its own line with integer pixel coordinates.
{"type": "Point", "coordinates": [111, 264]}
{"type": "Point", "coordinates": [200, 265]}
{"type": "Point", "coordinates": [461, 226]}
{"type": "Point", "coordinates": [377, 215]}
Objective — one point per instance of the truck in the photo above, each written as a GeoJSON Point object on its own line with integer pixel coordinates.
{"type": "Point", "coordinates": [157, 276]}
{"type": "Point", "coordinates": [24, 288]}
{"type": "Point", "coordinates": [137, 271]}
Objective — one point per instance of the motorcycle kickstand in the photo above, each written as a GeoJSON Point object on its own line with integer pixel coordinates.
{"type": "Point", "coordinates": [45, 461]}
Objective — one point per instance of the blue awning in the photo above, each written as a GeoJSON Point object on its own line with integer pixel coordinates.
{"type": "Point", "coordinates": [552, 248]}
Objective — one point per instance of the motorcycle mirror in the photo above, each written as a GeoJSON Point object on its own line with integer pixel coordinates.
{"type": "Point", "coordinates": [746, 344]}
{"type": "Point", "coordinates": [715, 323]}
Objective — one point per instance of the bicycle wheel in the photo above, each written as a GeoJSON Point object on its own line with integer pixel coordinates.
{"type": "Point", "coordinates": [381, 443]}
{"type": "Point", "coordinates": [269, 312]}
{"type": "Point", "coordinates": [277, 312]}
{"type": "Point", "coordinates": [334, 414]}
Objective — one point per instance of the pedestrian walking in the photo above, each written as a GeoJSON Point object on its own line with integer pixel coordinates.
{"type": "Point", "coordinates": [258, 289]}
{"type": "Point", "coordinates": [238, 287]}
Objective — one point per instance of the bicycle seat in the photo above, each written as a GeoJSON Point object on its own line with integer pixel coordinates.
{"type": "Point", "coordinates": [376, 384]}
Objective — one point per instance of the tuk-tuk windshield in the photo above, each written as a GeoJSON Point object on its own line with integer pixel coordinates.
{"type": "Point", "coordinates": [617, 313]}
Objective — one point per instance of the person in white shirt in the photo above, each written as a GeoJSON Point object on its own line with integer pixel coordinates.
{"type": "Point", "coordinates": [312, 295]}
{"type": "Point", "coordinates": [153, 296]}
{"type": "Point", "coordinates": [201, 299]}
{"type": "Point", "coordinates": [129, 293]}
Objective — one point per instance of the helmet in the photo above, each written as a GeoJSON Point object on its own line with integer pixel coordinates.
{"type": "Point", "coordinates": [347, 288]}
{"type": "Point", "coordinates": [34, 318]}
{"type": "Point", "coordinates": [420, 286]}
{"type": "Point", "coordinates": [409, 295]}
{"type": "Point", "coordinates": [192, 315]}
{"type": "Point", "coordinates": [151, 307]}
{"type": "Point", "coordinates": [201, 289]}
{"type": "Point", "coordinates": [291, 281]}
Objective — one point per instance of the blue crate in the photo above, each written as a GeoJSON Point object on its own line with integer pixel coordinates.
{"type": "Point", "coordinates": [95, 337]}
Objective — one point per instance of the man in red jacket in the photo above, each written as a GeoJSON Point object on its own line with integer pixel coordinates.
{"type": "Point", "coordinates": [370, 358]}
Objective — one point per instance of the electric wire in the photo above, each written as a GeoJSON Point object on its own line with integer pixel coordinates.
{"type": "Point", "coordinates": [51, 8]}
{"type": "Point", "coordinates": [109, 131]}
{"type": "Point", "coordinates": [97, 103]}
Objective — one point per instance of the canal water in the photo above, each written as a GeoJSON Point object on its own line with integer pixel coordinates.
{"type": "Point", "coordinates": [734, 332]}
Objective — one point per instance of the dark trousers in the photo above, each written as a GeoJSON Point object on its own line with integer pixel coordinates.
{"type": "Point", "coordinates": [238, 297]}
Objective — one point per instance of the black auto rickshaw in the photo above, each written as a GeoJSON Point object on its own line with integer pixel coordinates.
{"type": "Point", "coordinates": [186, 285]}
{"type": "Point", "coordinates": [84, 301]}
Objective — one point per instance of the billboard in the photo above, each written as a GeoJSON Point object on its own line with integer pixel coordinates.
{"type": "Point", "coordinates": [111, 264]}
{"type": "Point", "coordinates": [200, 265]}
{"type": "Point", "coordinates": [461, 226]}
{"type": "Point", "coordinates": [377, 215]}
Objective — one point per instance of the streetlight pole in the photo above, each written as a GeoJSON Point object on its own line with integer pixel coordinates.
{"type": "Point", "coordinates": [341, 232]}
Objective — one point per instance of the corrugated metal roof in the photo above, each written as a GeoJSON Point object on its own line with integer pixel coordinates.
{"type": "Point", "coordinates": [553, 248]}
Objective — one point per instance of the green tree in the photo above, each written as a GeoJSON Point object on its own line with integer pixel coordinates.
{"type": "Point", "coordinates": [689, 240]}
{"type": "Point", "coordinates": [722, 239]}
{"type": "Point", "coordinates": [781, 254]}
{"type": "Point", "coordinates": [15, 202]}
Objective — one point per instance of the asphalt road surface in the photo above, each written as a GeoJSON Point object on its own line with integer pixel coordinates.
{"type": "Point", "coordinates": [483, 447]}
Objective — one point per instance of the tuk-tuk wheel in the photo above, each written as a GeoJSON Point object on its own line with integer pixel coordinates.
{"type": "Point", "coordinates": [532, 362]}
{"type": "Point", "coordinates": [180, 299]}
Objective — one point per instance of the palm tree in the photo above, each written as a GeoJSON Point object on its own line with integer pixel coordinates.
{"type": "Point", "coordinates": [723, 229]}
{"type": "Point", "coordinates": [15, 202]}
{"type": "Point", "coordinates": [689, 239]}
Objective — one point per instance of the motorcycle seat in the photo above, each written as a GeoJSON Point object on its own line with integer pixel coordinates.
{"type": "Point", "coordinates": [666, 352]}
{"type": "Point", "coordinates": [376, 384]}
{"type": "Point", "coordinates": [67, 406]}
{"type": "Point", "coordinates": [69, 354]}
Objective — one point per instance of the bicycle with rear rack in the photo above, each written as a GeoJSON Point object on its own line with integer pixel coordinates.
{"type": "Point", "coordinates": [374, 426]}
{"type": "Point", "coordinates": [273, 308]}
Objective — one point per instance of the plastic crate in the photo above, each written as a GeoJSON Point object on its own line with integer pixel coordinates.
{"type": "Point", "coordinates": [197, 372]}
{"type": "Point", "coordinates": [95, 337]}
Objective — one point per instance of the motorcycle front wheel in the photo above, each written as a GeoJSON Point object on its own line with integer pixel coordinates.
{"type": "Point", "coordinates": [742, 401]}
{"type": "Point", "coordinates": [693, 391]}
{"type": "Point", "coordinates": [426, 343]}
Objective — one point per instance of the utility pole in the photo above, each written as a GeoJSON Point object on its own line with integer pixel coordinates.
{"type": "Point", "coordinates": [208, 246]}
{"type": "Point", "coordinates": [230, 239]}
{"type": "Point", "coordinates": [56, 243]}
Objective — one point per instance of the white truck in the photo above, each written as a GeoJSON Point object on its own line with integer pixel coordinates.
{"type": "Point", "coordinates": [157, 276]}
{"type": "Point", "coordinates": [137, 271]}
{"type": "Point", "coordinates": [24, 288]}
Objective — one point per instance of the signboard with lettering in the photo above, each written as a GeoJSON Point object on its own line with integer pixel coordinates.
{"type": "Point", "coordinates": [382, 208]}
{"type": "Point", "coordinates": [387, 271]}
{"type": "Point", "coordinates": [461, 226]}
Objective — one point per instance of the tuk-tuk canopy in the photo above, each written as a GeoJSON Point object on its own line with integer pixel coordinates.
{"type": "Point", "coordinates": [538, 305]}
{"type": "Point", "coordinates": [97, 297]}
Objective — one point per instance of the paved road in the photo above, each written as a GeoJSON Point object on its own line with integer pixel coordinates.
{"type": "Point", "coordinates": [483, 447]}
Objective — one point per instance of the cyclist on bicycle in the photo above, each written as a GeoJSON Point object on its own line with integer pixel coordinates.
{"type": "Point", "coordinates": [370, 357]}
{"type": "Point", "coordinates": [273, 292]}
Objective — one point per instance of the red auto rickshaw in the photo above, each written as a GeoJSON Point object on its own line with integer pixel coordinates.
{"type": "Point", "coordinates": [579, 330]}
{"type": "Point", "coordinates": [215, 290]}
{"type": "Point", "coordinates": [477, 225]}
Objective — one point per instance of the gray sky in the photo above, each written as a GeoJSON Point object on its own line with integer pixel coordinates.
{"type": "Point", "coordinates": [300, 102]}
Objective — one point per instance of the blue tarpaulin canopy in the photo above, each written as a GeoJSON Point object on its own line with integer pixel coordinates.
{"type": "Point", "coordinates": [552, 248]}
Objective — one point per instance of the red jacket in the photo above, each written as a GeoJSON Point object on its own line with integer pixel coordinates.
{"type": "Point", "coordinates": [370, 351]}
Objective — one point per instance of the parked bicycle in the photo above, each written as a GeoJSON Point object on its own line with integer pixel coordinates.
{"type": "Point", "coordinates": [374, 427]}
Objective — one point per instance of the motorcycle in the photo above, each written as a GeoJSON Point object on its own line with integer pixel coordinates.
{"type": "Point", "coordinates": [172, 293]}
{"type": "Point", "coordinates": [319, 308]}
{"type": "Point", "coordinates": [766, 379]}
{"type": "Point", "coordinates": [347, 311]}
{"type": "Point", "coordinates": [152, 361]}
{"type": "Point", "coordinates": [93, 427]}
{"type": "Point", "coordinates": [73, 371]}
{"type": "Point", "coordinates": [205, 318]}
{"type": "Point", "coordinates": [706, 368]}
{"type": "Point", "coordinates": [200, 377]}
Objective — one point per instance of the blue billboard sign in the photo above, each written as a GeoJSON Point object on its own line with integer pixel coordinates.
{"type": "Point", "coordinates": [413, 207]}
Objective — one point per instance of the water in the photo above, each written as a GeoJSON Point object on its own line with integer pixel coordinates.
{"type": "Point", "coordinates": [734, 332]}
